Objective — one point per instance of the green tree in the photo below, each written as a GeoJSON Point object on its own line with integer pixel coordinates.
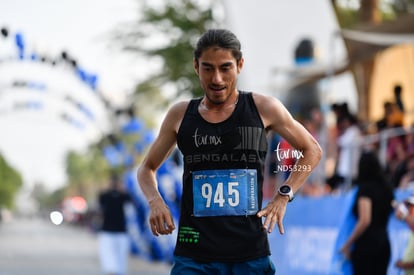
{"type": "Point", "coordinates": [47, 200]}
{"type": "Point", "coordinates": [10, 183]}
{"type": "Point", "coordinates": [350, 13]}
{"type": "Point", "coordinates": [86, 172]}
{"type": "Point", "coordinates": [175, 27]}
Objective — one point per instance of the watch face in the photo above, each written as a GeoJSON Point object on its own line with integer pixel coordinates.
{"type": "Point", "coordinates": [285, 189]}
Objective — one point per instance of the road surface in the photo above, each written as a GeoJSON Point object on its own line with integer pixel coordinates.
{"type": "Point", "coordinates": [37, 247]}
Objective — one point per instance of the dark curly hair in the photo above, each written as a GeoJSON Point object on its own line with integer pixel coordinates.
{"type": "Point", "coordinates": [220, 38]}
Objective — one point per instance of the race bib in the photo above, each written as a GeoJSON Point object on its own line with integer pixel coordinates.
{"type": "Point", "coordinates": [231, 192]}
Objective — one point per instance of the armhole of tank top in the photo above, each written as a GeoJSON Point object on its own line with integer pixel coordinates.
{"type": "Point", "coordinates": [189, 109]}
{"type": "Point", "coordinates": [252, 103]}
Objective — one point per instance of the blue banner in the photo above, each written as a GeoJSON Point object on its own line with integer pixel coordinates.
{"type": "Point", "coordinates": [315, 229]}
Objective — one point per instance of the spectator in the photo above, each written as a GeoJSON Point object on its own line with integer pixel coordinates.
{"type": "Point", "coordinates": [349, 148]}
{"type": "Point", "coordinates": [396, 144]}
{"type": "Point", "coordinates": [398, 100]}
{"type": "Point", "coordinates": [340, 109]}
{"type": "Point", "coordinates": [368, 247]}
{"type": "Point", "coordinates": [383, 122]}
{"type": "Point", "coordinates": [114, 246]}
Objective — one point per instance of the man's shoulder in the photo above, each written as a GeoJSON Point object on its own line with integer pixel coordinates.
{"type": "Point", "coordinates": [177, 110]}
{"type": "Point", "coordinates": [262, 100]}
{"type": "Point", "coordinates": [180, 106]}
{"type": "Point", "coordinates": [262, 95]}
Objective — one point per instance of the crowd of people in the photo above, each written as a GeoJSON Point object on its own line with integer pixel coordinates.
{"type": "Point", "coordinates": [393, 143]}
{"type": "Point", "coordinates": [377, 161]}
{"type": "Point", "coordinates": [389, 137]}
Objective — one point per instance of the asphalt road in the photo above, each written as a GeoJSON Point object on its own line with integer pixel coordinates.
{"type": "Point", "coordinates": [38, 247]}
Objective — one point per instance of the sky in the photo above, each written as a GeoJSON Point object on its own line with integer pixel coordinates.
{"type": "Point", "coordinates": [35, 142]}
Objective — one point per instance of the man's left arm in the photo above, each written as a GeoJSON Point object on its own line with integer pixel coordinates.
{"type": "Point", "coordinates": [277, 118]}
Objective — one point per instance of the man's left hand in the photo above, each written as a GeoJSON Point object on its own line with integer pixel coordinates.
{"type": "Point", "coordinates": [274, 212]}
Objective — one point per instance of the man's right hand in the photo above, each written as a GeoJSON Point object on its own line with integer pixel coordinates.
{"type": "Point", "coordinates": [160, 219]}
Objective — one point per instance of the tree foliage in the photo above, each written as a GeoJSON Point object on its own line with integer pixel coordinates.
{"type": "Point", "coordinates": [166, 35]}
{"type": "Point", "coordinates": [45, 199]}
{"type": "Point", "coordinates": [349, 11]}
{"type": "Point", "coordinates": [10, 183]}
{"type": "Point", "coordinates": [86, 172]}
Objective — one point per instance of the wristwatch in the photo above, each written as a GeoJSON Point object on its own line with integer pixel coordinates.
{"type": "Point", "coordinates": [286, 190]}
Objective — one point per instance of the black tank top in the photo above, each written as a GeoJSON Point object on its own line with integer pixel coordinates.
{"type": "Point", "coordinates": [235, 144]}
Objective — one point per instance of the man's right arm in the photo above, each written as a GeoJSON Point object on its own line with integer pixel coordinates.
{"type": "Point", "coordinates": [160, 217]}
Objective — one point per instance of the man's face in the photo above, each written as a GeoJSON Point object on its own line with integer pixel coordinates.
{"type": "Point", "coordinates": [218, 70]}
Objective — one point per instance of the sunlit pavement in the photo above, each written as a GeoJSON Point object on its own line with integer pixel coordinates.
{"type": "Point", "coordinates": [38, 247]}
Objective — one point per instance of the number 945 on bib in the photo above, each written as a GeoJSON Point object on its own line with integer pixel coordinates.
{"type": "Point", "coordinates": [230, 192]}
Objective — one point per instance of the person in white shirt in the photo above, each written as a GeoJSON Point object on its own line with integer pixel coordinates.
{"type": "Point", "coordinates": [349, 152]}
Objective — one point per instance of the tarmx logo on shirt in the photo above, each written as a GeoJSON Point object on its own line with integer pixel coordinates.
{"type": "Point", "coordinates": [200, 140]}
